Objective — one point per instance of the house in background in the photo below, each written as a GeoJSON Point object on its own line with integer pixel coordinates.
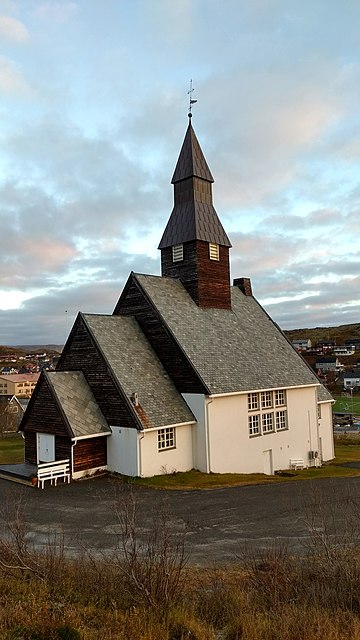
{"type": "Point", "coordinates": [188, 371]}
{"type": "Point", "coordinates": [329, 363]}
{"type": "Point", "coordinates": [301, 344]}
{"type": "Point", "coordinates": [352, 379]}
{"type": "Point", "coordinates": [18, 384]}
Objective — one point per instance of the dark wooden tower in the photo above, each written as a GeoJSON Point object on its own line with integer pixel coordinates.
{"type": "Point", "coordinates": [194, 246]}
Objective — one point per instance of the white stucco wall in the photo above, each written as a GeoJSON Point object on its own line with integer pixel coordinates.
{"type": "Point", "coordinates": [326, 431]}
{"type": "Point", "coordinates": [122, 451]}
{"type": "Point", "coordinates": [154, 462]}
{"type": "Point", "coordinates": [197, 404]}
{"type": "Point", "coordinates": [232, 450]}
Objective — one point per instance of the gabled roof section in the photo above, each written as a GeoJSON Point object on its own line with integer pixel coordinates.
{"type": "Point", "coordinates": [191, 161]}
{"type": "Point", "coordinates": [138, 370]}
{"type": "Point", "coordinates": [240, 350]}
{"type": "Point", "coordinates": [77, 403]}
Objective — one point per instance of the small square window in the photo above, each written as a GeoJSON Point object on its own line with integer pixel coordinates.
{"type": "Point", "coordinates": [166, 438]}
{"type": "Point", "coordinates": [281, 421]}
{"type": "Point", "coordinates": [266, 399]}
{"type": "Point", "coordinates": [178, 252]}
{"type": "Point", "coordinates": [267, 420]}
{"type": "Point", "coordinates": [253, 401]}
{"type": "Point", "coordinates": [254, 425]}
{"type": "Point", "coordinates": [279, 398]}
{"type": "Point", "coordinates": [214, 251]}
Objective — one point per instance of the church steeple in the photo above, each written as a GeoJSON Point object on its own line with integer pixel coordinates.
{"type": "Point", "coordinates": [194, 246]}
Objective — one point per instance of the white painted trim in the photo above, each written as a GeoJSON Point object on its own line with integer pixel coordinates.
{"type": "Point", "coordinates": [168, 426]}
{"type": "Point", "coordinates": [93, 435]}
{"type": "Point", "coordinates": [243, 393]}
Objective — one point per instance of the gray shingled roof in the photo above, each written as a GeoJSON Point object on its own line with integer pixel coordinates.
{"type": "Point", "coordinates": [238, 350]}
{"type": "Point", "coordinates": [138, 370]}
{"type": "Point", "coordinates": [193, 220]}
{"type": "Point", "coordinates": [191, 161]}
{"type": "Point", "coordinates": [78, 403]}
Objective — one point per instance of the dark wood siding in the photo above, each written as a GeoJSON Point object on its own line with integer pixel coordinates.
{"type": "Point", "coordinates": [90, 454]}
{"type": "Point", "coordinates": [82, 354]}
{"type": "Point", "coordinates": [207, 281]}
{"type": "Point", "coordinates": [30, 454]}
{"type": "Point", "coordinates": [44, 415]}
{"type": "Point", "coordinates": [134, 303]}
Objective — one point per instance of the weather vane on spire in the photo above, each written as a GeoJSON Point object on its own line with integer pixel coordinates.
{"type": "Point", "coordinates": [191, 100]}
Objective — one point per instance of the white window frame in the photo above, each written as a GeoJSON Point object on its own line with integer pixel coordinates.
{"type": "Point", "coordinates": [214, 251]}
{"type": "Point", "coordinates": [280, 398]}
{"type": "Point", "coordinates": [166, 438]}
{"type": "Point", "coordinates": [177, 252]}
{"type": "Point", "coordinates": [266, 399]}
{"type": "Point", "coordinates": [281, 420]}
{"type": "Point", "coordinates": [253, 401]}
{"type": "Point", "coordinates": [254, 425]}
{"type": "Point", "coordinates": [267, 422]}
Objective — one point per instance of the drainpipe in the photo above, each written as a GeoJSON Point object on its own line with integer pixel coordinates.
{"type": "Point", "coordinates": [141, 437]}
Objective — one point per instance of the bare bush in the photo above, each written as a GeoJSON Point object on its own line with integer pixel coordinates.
{"type": "Point", "coordinates": [153, 560]}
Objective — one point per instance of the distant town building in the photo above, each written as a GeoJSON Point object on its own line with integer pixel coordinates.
{"type": "Point", "coordinates": [18, 384]}
{"type": "Point", "coordinates": [301, 344]}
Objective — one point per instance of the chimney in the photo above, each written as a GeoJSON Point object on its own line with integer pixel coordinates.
{"type": "Point", "coordinates": [244, 284]}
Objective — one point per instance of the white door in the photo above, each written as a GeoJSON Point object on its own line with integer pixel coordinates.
{"type": "Point", "coordinates": [45, 447]}
{"type": "Point", "coordinates": [268, 462]}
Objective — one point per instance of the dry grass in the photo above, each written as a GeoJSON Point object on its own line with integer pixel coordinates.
{"type": "Point", "coordinates": [146, 592]}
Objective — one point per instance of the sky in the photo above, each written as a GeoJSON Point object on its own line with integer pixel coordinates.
{"type": "Point", "coordinates": [93, 112]}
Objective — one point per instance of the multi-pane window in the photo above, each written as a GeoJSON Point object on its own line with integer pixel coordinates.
{"type": "Point", "coordinates": [267, 420]}
{"type": "Point", "coordinates": [279, 398]}
{"type": "Point", "coordinates": [178, 252]}
{"type": "Point", "coordinates": [214, 251]}
{"type": "Point", "coordinates": [281, 422]}
{"type": "Point", "coordinates": [264, 420]}
{"type": "Point", "coordinates": [253, 401]}
{"type": "Point", "coordinates": [166, 438]}
{"type": "Point", "coordinates": [254, 425]}
{"type": "Point", "coordinates": [266, 399]}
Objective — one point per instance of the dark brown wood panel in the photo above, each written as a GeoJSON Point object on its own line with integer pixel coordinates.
{"type": "Point", "coordinates": [133, 302]}
{"type": "Point", "coordinates": [30, 453]}
{"type": "Point", "coordinates": [83, 355]}
{"type": "Point", "coordinates": [43, 414]}
{"type": "Point", "coordinates": [90, 454]}
{"type": "Point", "coordinates": [207, 281]}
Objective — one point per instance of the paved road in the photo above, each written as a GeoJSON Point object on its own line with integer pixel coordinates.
{"type": "Point", "coordinates": [220, 523]}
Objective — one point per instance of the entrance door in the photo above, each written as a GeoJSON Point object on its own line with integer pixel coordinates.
{"type": "Point", "coordinates": [268, 462]}
{"type": "Point", "coordinates": [45, 447]}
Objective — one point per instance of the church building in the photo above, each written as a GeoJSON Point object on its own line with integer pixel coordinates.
{"type": "Point", "coordinates": [188, 372]}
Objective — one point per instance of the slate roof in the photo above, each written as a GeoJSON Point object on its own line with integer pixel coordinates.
{"type": "Point", "coordinates": [78, 403]}
{"type": "Point", "coordinates": [191, 161]}
{"type": "Point", "coordinates": [138, 370]}
{"type": "Point", "coordinates": [193, 216]}
{"type": "Point", "coordinates": [237, 350]}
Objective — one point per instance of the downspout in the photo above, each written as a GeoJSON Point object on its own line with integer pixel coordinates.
{"type": "Point", "coordinates": [141, 437]}
{"type": "Point", "coordinates": [207, 436]}
{"type": "Point", "coordinates": [72, 455]}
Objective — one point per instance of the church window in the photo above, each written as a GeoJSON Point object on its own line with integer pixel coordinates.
{"type": "Point", "coordinates": [213, 251]}
{"type": "Point", "coordinates": [166, 438]}
{"type": "Point", "coordinates": [177, 252]}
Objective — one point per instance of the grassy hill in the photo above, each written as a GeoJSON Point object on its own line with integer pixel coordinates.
{"type": "Point", "coordinates": [318, 334]}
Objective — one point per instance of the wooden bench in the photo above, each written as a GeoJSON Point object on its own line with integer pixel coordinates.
{"type": "Point", "coordinates": [297, 463]}
{"type": "Point", "coordinates": [52, 471]}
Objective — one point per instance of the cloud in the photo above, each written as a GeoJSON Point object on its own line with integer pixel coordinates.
{"type": "Point", "coordinates": [12, 30]}
{"type": "Point", "coordinates": [12, 80]}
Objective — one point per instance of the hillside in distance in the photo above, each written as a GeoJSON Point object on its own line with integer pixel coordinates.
{"type": "Point", "coordinates": [321, 334]}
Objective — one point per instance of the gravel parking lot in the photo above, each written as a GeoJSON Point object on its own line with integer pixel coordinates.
{"type": "Point", "coordinates": [220, 524]}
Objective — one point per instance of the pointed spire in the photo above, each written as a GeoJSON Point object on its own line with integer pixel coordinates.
{"type": "Point", "coordinates": [193, 216]}
{"type": "Point", "coordinates": [191, 162]}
